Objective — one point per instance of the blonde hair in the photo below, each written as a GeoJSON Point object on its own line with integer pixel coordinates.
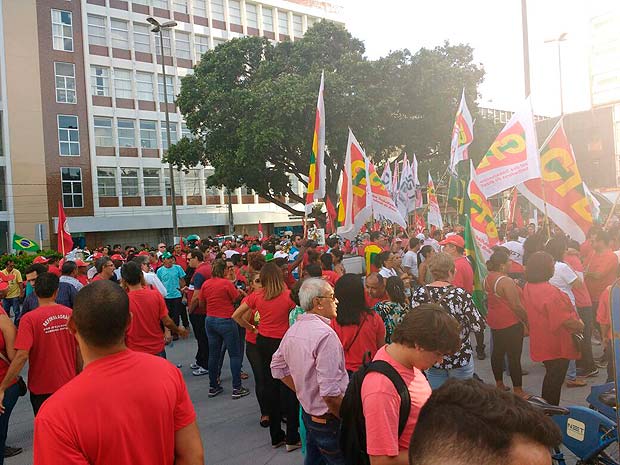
{"type": "Point", "coordinates": [272, 280]}
{"type": "Point", "coordinates": [440, 266]}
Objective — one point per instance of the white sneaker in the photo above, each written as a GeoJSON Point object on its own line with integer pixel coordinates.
{"type": "Point", "coordinates": [200, 371]}
{"type": "Point", "coordinates": [194, 366]}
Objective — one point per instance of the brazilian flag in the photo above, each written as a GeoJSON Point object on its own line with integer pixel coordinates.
{"type": "Point", "coordinates": [23, 243]}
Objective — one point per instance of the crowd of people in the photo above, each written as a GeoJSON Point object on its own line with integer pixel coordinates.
{"type": "Point", "coordinates": [378, 367]}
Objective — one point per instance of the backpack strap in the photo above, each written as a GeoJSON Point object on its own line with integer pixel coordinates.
{"type": "Point", "coordinates": [387, 370]}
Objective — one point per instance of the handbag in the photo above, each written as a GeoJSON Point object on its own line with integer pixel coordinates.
{"type": "Point", "coordinates": [21, 384]}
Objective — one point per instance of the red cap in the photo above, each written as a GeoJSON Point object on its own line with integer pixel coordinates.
{"type": "Point", "coordinates": [6, 277]}
{"type": "Point", "coordinates": [455, 239]}
{"type": "Point", "coordinates": [97, 255]}
{"type": "Point", "coordinates": [143, 253]}
{"type": "Point", "coordinates": [79, 262]}
{"type": "Point", "coordinates": [40, 259]}
{"type": "Point", "coordinates": [117, 256]}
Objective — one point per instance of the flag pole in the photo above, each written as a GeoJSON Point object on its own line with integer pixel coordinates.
{"type": "Point", "coordinates": [445, 210]}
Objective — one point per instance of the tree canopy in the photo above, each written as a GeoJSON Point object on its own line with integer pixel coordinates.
{"type": "Point", "coordinates": [250, 106]}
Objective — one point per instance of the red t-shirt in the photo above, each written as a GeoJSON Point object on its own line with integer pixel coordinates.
{"type": "Point", "coordinates": [289, 279]}
{"type": "Point", "coordinates": [181, 260]}
{"type": "Point", "coordinates": [52, 348]}
{"type": "Point", "coordinates": [381, 404]}
{"type": "Point", "coordinates": [147, 307]}
{"type": "Point", "coordinates": [121, 396]}
{"type": "Point", "coordinates": [219, 295]}
{"type": "Point", "coordinates": [372, 301]}
{"type": "Point", "coordinates": [97, 277]}
{"type": "Point", "coordinates": [586, 250]}
{"type": "Point", "coordinates": [605, 263]}
{"type": "Point", "coordinates": [370, 338]}
{"type": "Point", "coordinates": [603, 312]}
{"type": "Point", "coordinates": [4, 366]}
{"type": "Point", "coordinates": [54, 270]}
{"type": "Point", "coordinates": [250, 336]}
{"type": "Point", "coordinates": [273, 313]}
{"type": "Point", "coordinates": [463, 274]}
{"type": "Point", "coordinates": [580, 291]}
{"type": "Point", "coordinates": [330, 276]}
{"type": "Point", "coordinates": [203, 272]}
{"type": "Point", "coordinates": [500, 314]}
{"type": "Point", "coordinates": [547, 309]}
{"type": "Point", "coordinates": [82, 278]}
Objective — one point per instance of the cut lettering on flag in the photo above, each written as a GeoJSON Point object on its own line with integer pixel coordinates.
{"type": "Point", "coordinates": [382, 204]}
{"type": "Point", "coordinates": [481, 218]}
{"type": "Point", "coordinates": [406, 190]}
{"type": "Point", "coordinates": [23, 243]}
{"type": "Point", "coordinates": [513, 157]}
{"type": "Point", "coordinates": [434, 213]}
{"type": "Point", "coordinates": [317, 175]}
{"type": "Point", "coordinates": [355, 195]}
{"type": "Point", "coordinates": [568, 205]}
{"type": "Point", "coordinates": [65, 241]}
{"type": "Point", "coordinates": [462, 135]}
{"type": "Point", "coordinates": [386, 177]}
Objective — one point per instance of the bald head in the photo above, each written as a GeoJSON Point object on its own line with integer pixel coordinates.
{"type": "Point", "coordinates": [375, 285]}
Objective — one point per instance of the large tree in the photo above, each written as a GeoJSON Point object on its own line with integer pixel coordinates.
{"type": "Point", "coordinates": [250, 105]}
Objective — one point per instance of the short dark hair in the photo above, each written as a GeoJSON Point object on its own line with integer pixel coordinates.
{"type": "Point", "coordinates": [327, 261]}
{"type": "Point", "coordinates": [131, 272]}
{"type": "Point", "coordinates": [101, 262]}
{"type": "Point", "coordinates": [556, 247]}
{"type": "Point", "coordinates": [196, 253]}
{"type": "Point", "coordinates": [497, 259]}
{"type": "Point", "coordinates": [314, 270]}
{"type": "Point", "coordinates": [101, 313]}
{"type": "Point", "coordinates": [374, 235]}
{"type": "Point", "coordinates": [395, 287]}
{"type": "Point", "coordinates": [218, 268]}
{"type": "Point", "coordinates": [466, 421]}
{"type": "Point", "coordinates": [68, 267]}
{"type": "Point", "coordinates": [413, 241]}
{"type": "Point", "coordinates": [331, 241]}
{"type": "Point", "coordinates": [45, 285]}
{"type": "Point", "coordinates": [539, 268]}
{"type": "Point", "coordinates": [381, 258]}
{"type": "Point", "coordinates": [40, 268]}
{"type": "Point", "coordinates": [429, 327]}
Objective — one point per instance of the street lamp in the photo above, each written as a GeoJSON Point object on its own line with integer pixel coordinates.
{"type": "Point", "coordinates": [158, 28]}
{"type": "Point", "coordinates": [561, 38]}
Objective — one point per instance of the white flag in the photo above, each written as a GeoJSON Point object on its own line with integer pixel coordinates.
{"type": "Point", "coordinates": [434, 213]}
{"type": "Point", "coordinates": [462, 134]}
{"type": "Point", "coordinates": [386, 177]}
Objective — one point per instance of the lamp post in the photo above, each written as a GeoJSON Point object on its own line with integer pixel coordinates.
{"type": "Point", "coordinates": [561, 38]}
{"type": "Point", "coordinates": [158, 28]}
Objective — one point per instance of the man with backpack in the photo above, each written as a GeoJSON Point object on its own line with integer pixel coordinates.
{"type": "Point", "coordinates": [310, 361]}
{"type": "Point", "coordinates": [392, 389]}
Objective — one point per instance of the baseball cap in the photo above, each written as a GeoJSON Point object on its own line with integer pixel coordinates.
{"type": "Point", "coordinates": [268, 257]}
{"type": "Point", "coordinates": [6, 277]}
{"type": "Point", "coordinates": [421, 236]}
{"type": "Point", "coordinates": [40, 259]}
{"type": "Point", "coordinates": [143, 253]}
{"type": "Point", "coordinates": [255, 248]}
{"type": "Point", "coordinates": [454, 240]}
{"type": "Point", "coordinates": [117, 256]}
{"type": "Point", "coordinates": [79, 262]}
{"type": "Point", "coordinates": [166, 255]}
{"type": "Point", "coordinates": [280, 254]}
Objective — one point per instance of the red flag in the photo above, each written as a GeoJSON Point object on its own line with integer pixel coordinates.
{"type": "Point", "coordinates": [514, 215]}
{"type": "Point", "coordinates": [260, 231]}
{"type": "Point", "coordinates": [65, 241]}
{"type": "Point", "coordinates": [330, 225]}
{"type": "Point", "coordinates": [420, 225]}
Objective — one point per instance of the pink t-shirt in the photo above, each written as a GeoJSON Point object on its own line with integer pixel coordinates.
{"type": "Point", "coordinates": [381, 405]}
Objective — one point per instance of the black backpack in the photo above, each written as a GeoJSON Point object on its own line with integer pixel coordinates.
{"type": "Point", "coordinates": [353, 426]}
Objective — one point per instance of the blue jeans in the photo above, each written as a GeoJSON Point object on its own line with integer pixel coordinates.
{"type": "Point", "coordinates": [322, 442]}
{"type": "Point", "coordinates": [437, 376]}
{"type": "Point", "coordinates": [10, 399]}
{"type": "Point", "coordinates": [223, 331]}
{"type": "Point", "coordinates": [12, 303]}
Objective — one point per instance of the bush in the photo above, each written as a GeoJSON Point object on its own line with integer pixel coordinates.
{"type": "Point", "coordinates": [24, 260]}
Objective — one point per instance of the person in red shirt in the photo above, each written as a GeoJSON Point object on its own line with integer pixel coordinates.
{"type": "Point", "coordinates": [44, 341]}
{"type": "Point", "coordinates": [328, 273]}
{"type": "Point", "coordinates": [601, 267]}
{"type": "Point", "coordinates": [148, 313]}
{"type": "Point", "coordinates": [273, 303]}
{"type": "Point", "coordinates": [603, 317]}
{"type": "Point", "coordinates": [52, 266]}
{"type": "Point", "coordinates": [422, 339]}
{"type": "Point", "coordinates": [105, 269]}
{"type": "Point", "coordinates": [179, 257]}
{"type": "Point", "coordinates": [90, 418]}
{"type": "Point", "coordinates": [552, 319]}
{"type": "Point", "coordinates": [359, 328]}
{"type": "Point", "coordinates": [375, 290]}
{"type": "Point", "coordinates": [198, 313]}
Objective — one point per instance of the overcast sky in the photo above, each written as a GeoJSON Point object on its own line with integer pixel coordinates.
{"type": "Point", "coordinates": [493, 29]}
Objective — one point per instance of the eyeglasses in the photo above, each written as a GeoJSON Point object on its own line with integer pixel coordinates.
{"type": "Point", "coordinates": [332, 297]}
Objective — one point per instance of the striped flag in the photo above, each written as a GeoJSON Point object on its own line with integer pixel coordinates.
{"type": "Point", "coordinates": [317, 175]}
{"type": "Point", "coordinates": [462, 135]}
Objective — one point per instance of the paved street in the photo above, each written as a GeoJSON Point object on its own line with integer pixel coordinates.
{"type": "Point", "coordinates": [230, 429]}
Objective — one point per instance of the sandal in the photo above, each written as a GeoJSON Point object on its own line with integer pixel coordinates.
{"type": "Point", "coordinates": [264, 421]}
{"type": "Point", "coordinates": [244, 375]}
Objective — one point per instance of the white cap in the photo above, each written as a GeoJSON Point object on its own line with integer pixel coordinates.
{"type": "Point", "coordinates": [421, 236]}
{"type": "Point", "coordinates": [280, 254]}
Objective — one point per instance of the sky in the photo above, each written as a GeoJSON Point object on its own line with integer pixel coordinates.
{"type": "Point", "coordinates": [493, 29]}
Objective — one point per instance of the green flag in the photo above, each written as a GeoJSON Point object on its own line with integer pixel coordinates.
{"type": "Point", "coordinates": [480, 270]}
{"type": "Point", "coordinates": [23, 243]}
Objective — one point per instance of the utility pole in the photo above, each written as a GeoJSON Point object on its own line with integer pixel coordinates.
{"type": "Point", "coordinates": [526, 48]}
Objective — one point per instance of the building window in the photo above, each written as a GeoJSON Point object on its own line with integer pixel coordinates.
{"type": "Point", "coordinates": [150, 176]}
{"type": "Point", "coordinates": [283, 22]}
{"type": "Point", "coordinates": [72, 187]}
{"type": "Point", "coordinates": [167, 50]}
{"type": "Point", "coordinates": [217, 9]}
{"type": "Point", "coordinates": [122, 83]}
{"type": "Point", "coordinates": [120, 34]}
{"type": "Point", "coordinates": [298, 30]}
{"type": "Point", "coordinates": [144, 84]}
{"type": "Point", "coordinates": [65, 82]}
{"type": "Point", "coordinates": [234, 11]}
{"type": "Point", "coordinates": [126, 129]}
{"type": "Point", "coordinates": [185, 132]}
{"type": "Point", "coordinates": [217, 42]}
{"type": "Point", "coordinates": [96, 30]}
{"type": "Point", "coordinates": [103, 132]}
{"type": "Point", "coordinates": [200, 8]}
{"type": "Point", "coordinates": [62, 30]}
{"type": "Point", "coordinates": [208, 189]}
{"type": "Point", "coordinates": [181, 43]}
{"type": "Point", "coordinates": [106, 182]}
{"type": "Point", "coordinates": [141, 38]}
{"type": "Point", "coordinates": [294, 183]}
{"type": "Point", "coordinates": [177, 182]}
{"type": "Point", "coordinates": [251, 15]}
{"type": "Point", "coordinates": [174, 138]}
{"type": "Point", "coordinates": [129, 182]}
{"type": "Point", "coordinates": [100, 81]}
{"type": "Point", "coordinates": [169, 88]}
{"type": "Point", "coordinates": [148, 134]}
{"type": "Point", "coordinates": [201, 46]}
{"type": "Point", "coordinates": [192, 182]}
{"type": "Point", "coordinates": [160, 4]}
{"type": "Point", "coordinates": [180, 6]}
{"type": "Point", "coordinates": [268, 19]}
{"type": "Point", "coordinates": [68, 135]}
